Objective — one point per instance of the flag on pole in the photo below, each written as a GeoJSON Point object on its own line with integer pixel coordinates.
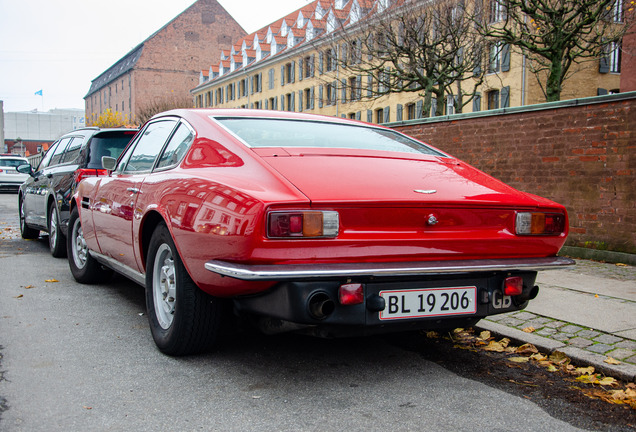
{"type": "Point", "coordinates": [38, 93]}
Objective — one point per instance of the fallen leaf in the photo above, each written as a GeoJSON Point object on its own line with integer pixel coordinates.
{"type": "Point", "coordinates": [29, 287]}
{"type": "Point", "coordinates": [504, 342]}
{"type": "Point", "coordinates": [559, 358]}
{"type": "Point", "coordinates": [519, 359]}
{"type": "Point", "coordinates": [552, 368]}
{"type": "Point", "coordinates": [621, 265]}
{"type": "Point", "coordinates": [527, 349]}
{"type": "Point", "coordinates": [538, 357]}
{"type": "Point", "coordinates": [458, 330]}
{"type": "Point", "coordinates": [432, 335]}
{"type": "Point", "coordinates": [484, 335]}
{"type": "Point", "coordinates": [618, 394]}
{"type": "Point", "coordinates": [595, 295]}
{"type": "Point", "coordinates": [584, 371]}
{"type": "Point", "coordinates": [51, 280]}
{"type": "Point", "coordinates": [88, 407]}
{"type": "Point", "coordinates": [19, 296]}
{"type": "Point", "coordinates": [608, 381]}
{"type": "Point", "coordinates": [612, 361]}
{"type": "Point", "coordinates": [589, 379]}
{"type": "Point", "coordinates": [494, 346]}
{"type": "Point", "coordinates": [529, 329]}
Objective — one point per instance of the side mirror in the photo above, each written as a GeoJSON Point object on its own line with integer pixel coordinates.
{"type": "Point", "coordinates": [109, 163]}
{"type": "Point", "coordinates": [25, 169]}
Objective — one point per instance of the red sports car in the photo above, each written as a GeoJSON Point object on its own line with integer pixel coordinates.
{"type": "Point", "coordinates": [306, 223]}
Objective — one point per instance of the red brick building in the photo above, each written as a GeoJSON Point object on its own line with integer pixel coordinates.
{"type": "Point", "coordinates": [628, 58]}
{"type": "Point", "coordinates": [165, 66]}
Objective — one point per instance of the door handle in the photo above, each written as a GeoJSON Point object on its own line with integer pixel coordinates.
{"type": "Point", "coordinates": [133, 190]}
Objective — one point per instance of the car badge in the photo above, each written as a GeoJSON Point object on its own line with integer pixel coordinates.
{"type": "Point", "coordinates": [425, 191]}
{"type": "Point", "coordinates": [432, 220]}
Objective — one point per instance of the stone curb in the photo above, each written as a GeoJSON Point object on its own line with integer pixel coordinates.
{"type": "Point", "coordinates": [623, 371]}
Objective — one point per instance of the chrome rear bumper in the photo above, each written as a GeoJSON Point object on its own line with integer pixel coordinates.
{"type": "Point", "coordinates": [391, 269]}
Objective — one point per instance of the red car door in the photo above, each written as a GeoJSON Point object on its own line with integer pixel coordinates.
{"type": "Point", "coordinates": [117, 195]}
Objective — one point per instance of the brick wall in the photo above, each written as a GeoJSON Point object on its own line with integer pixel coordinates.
{"type": "Point", "coordinates": [578, 153]}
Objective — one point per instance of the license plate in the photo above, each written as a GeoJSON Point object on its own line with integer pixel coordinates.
{"type": "Point", "coordinates": [428, 302]}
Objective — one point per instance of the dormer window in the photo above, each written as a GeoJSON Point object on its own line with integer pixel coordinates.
{"type": "Point", "coordinates": [309, 33]}
{"type": "Point", "coordinates": [354, 13]}
{"type": "Point", "coordinates": [331, 22]}
{"type": "Point", "coordinates": [300, 22]}
{"type": "Point", "coordinates": [284, 29]}
{"type": "Point", "coordinates": [383, 5]}
{"type": "Point", "coordinates": [340, 4]}
{"type": "Point", "coordinates": [320, 12]}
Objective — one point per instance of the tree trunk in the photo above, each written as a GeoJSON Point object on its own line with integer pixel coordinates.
{"type": "Point", "coordinates": [555, 79]}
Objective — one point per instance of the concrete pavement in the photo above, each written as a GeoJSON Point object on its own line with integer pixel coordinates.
{"type": "Point", "coordinates": [587, 312]}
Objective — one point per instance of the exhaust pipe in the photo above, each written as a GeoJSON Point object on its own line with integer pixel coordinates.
{"type": "Point", "coordinates": [320, 305]}
{"type": "Point", "coordinates": [534, 292]}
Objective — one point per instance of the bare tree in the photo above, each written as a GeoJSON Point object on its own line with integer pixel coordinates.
{"type": "Point", "coordinates": [149, 109]}
{"type": "Point", "coordinates": [430, 48]}
{"type": "Point", "coordinates": [555, 34]}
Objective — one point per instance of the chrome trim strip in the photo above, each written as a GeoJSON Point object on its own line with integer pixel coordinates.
{"type": "Point", "coordinates": [323, 271]}
{"type": "Point", "coordinates": [109, 262]}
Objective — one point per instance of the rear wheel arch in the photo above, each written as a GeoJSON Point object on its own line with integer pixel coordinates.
{"type": "Point", "coordinates": [148, 226]}
{"type": "Point", "coordinates": [50, 201]}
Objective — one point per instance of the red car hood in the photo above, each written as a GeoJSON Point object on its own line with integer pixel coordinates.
{"type": "Point", "coordinates": [341, 176]}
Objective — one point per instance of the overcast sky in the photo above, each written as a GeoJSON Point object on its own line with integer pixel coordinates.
{"type": "Point", "coordinates": [59, 46]}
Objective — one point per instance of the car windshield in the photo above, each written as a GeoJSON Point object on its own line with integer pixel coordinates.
{"type": "Point", "coordinates": [108, 144]}
{"type": "Point", "coordinates": [267, 132]}
{"type": "Point", "coordinates": [12, 162]}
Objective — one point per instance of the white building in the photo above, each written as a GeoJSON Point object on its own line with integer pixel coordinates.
{"type": "Point", "coordinates": [42, 126]}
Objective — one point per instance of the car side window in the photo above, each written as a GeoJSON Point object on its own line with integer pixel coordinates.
{"type": "Point", "coordinates": [149, 145]}
{"type": "Point", "coordinates": [47, 156]}
{"type": "Point", "coordinates": [73, 150]}
{"type": "Point", "coordinates": [177, 147]}
{"type": "Point", "coordinates": [59, 151]}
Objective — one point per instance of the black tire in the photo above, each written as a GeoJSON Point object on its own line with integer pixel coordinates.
{"type": "Point", "coordinates": [84, 267]}
{"type": "Point", "coordinates": [183, 319]}
{"type": "Point", "coordinates": [57, 241]}
{"type": "Point", "coordinates": [26, 231]}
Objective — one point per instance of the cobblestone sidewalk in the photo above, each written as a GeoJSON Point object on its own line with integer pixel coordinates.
{"type": "Point", "coordinates": [591, 340]}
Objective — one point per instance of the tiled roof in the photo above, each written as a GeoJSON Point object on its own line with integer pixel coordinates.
{"type": "Point", "coordinates": [124, 65]}
{"type": "Point", "coordinates": [309, 13]}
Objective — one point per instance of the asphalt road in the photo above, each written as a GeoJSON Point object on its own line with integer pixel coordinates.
{"type": "Point", "coordinates": [80, 358]}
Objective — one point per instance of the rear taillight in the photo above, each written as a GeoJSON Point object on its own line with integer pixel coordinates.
{"type": "Point", "coordinates": [539, 223]}
{"type": "Point", "coordinates": [351, 294]}
{"type": "Point", "coordinates": [82, 173]}
{"type": "Point", "coordinates": [302, 224]}
{"type": "Point", "coordinates": [513, 286]}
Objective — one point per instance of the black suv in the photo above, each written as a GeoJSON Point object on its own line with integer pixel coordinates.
{"type": "Point", "coordinates": [43, 199]}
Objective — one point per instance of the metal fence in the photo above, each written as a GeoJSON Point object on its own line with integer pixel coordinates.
{"type": "Point", "coordinates": [35, 159]}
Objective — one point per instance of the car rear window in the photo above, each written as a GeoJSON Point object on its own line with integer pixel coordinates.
{"type": "Point", "coordinates": [107, 144]}
{"type": "Point", "coordinates": [12, 162]}
{"type": "Point", "coordinates": [264, 132]}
